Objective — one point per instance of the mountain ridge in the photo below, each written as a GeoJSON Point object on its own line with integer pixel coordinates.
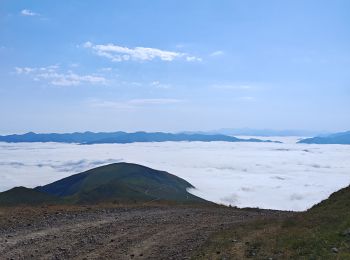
{"type": "Point", "coordinates": [120, 137]}
{"type": "Point", "coordinates": [261, 132]}
{"type": "Point", "coordinates": [337, 138]}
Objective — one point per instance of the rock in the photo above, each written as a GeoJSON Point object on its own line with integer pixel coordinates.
{"type": "Point", "coordinates": [335, 250]}
{"type": "Point", "coordinates": [346, 232]}
{"type": "Point", "coordinates": [251, 253]}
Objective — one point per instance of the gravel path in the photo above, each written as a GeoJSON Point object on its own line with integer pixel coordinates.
{"type": "Point", "coordinates": [113, 233]}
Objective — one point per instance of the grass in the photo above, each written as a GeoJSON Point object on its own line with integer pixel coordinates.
{"type": "Point", "coordinates": [323, 232]}
{"type": "Point", "coordinates": [118, 182]}
{"type": "Point", "coordinates": [25, 196]}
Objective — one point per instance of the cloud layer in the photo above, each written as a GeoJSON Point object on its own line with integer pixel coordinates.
{"type": "Point", "coordinates": [285, 176]}
{"type": "Point", "coordinates": [118, 53]}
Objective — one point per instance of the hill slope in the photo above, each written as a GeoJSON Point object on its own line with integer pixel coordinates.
{"type": "Point", "coordinates": [121, 182]}
{"type": "Point", "coordinates": [339, 138]}
{"type": "Point", "coordinates": [119, 137]}
{"type": "Point", "coordinates": [25, 196]}
{"type": "Point", "coordinates": [322, 232]}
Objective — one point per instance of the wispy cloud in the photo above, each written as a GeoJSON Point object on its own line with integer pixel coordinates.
{"type": "Point", "coordinates": [246, 98]}
{"type": "Point", "coordinates": [233, 86]}
{"type": "Point", "coordinates": [27, 12]}
{"type": "Point", "coordinates": [54, 76]}
{"type": "Point", "coordinates": [134, 103]}
{"type": "Point", "coordinates": [118, 53]}
{"type": "Point", "coordinates": [193, 58]}
{"type": "Point", "coordinates": [216, 53]}
{"type": "Point", "coordinates": [160, 85]}
{"type": "Point", "coordinates": [155, 101]}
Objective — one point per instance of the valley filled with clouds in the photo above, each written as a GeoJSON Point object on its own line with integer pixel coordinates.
{"type": "Point", "coordinates": [285, 176]}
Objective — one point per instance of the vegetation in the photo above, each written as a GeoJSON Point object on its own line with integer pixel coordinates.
{"type": "Point", "coordinates": [119, 182]}
{"type": "Point", "coordinates": [25, 196]}
{"type": "Point", "coordinates": [323, 232]}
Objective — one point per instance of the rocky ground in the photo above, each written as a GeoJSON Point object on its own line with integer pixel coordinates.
{"type": "Point", "coordinates": [139, 232]}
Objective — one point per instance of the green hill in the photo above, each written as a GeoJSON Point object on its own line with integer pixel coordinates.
{"type": "Point", "coordinates": [322, 232]}
{"type": "Point", "coordinates": [25, 196]}
{"type": "Point", "coordinates": [121, 182]}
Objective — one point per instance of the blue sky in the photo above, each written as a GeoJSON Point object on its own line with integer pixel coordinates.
{"type": "Point", "coordinates": [174, 65]}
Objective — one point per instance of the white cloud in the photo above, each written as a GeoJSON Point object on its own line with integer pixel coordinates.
{"type": "Point", "coordinates": [67, 166]}
{"type": "Point", "coordinates": [27, 12]}
{"type": "Point", "coordinates": [155, 83]}
{"type": "Point", "coordinates": [107, 69]}
{"type": "Point", "coordinates": [54, 76]}
{"type": "Point", "coordinates": [118, 53]}
{"type": "Point", "coordinates": [266, 175]}
{"type": "Point", "coordinates": [216, 53]}
{"type": "Point", "coordinates": [160, 85]}
{"type": "Point", "coordinates": [24, 70]}
{"type": "Point", "coordinates": [193, 58]}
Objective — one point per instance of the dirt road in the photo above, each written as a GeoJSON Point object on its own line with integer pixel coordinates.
{"type": "Point", "coordinates": [113, 233]}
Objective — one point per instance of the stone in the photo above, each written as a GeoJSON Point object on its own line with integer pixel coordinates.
{"type": "Point", "coordinates": [346, 232]}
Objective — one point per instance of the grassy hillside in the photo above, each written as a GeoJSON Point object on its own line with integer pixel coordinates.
{"type": "Point", "coordinates": [121, 182]}
{"type": "Point", "coordinates": [323, 232]}
{"type": "Point", "coordinates": [25, 196]}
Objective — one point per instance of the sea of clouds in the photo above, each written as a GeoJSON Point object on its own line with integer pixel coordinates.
{"type": "Point", "coordinates": [285, 176]}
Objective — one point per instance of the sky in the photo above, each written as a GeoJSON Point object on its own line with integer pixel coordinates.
{"type": "Point", "coordinates": [158, 65]}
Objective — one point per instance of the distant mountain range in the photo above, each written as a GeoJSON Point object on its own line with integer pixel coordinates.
{"type": "Point", "coordinates": [119, 182]}
{"type": "Point", "coordinates": [259, 132]}
{"type": "Point", "coordinates": [120, 137]}
{"type": "Point", "coordinates": [338, 138]}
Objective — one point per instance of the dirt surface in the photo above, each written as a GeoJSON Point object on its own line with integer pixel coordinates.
{"type": "Point", "coordinates": [152, 232]}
